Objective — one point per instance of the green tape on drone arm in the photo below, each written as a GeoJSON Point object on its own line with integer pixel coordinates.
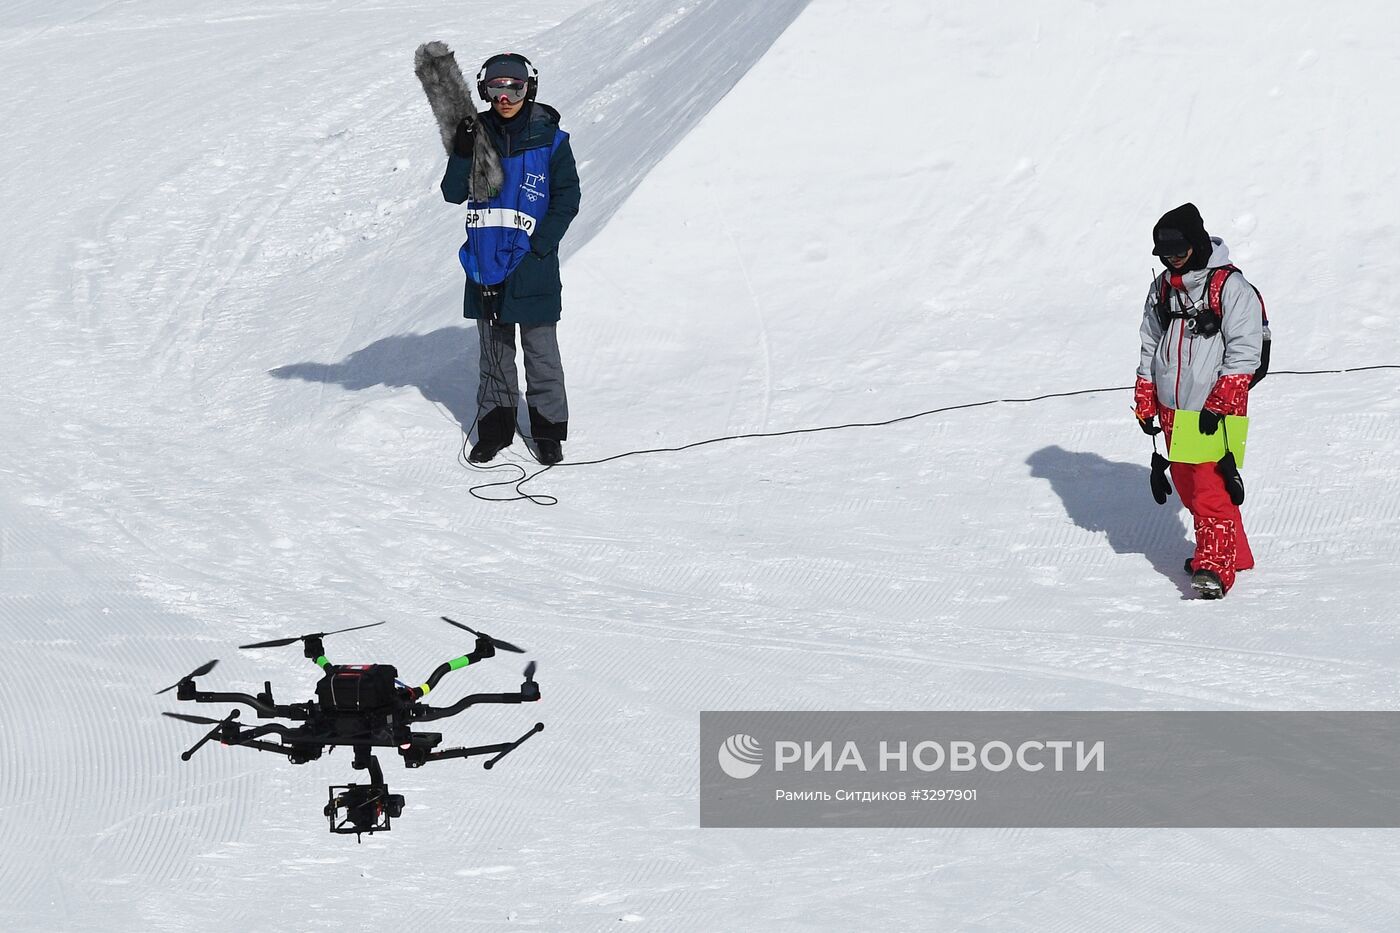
{"type": "Point", "coordinates": [322, 662]}
{"type": "Point", "coordinates": [459, 663]}
{"type": "Point", "coordinates": [1189, 445]}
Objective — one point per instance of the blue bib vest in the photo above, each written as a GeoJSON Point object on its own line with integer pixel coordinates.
{"type": "Point", "coordinates": [498, 230]}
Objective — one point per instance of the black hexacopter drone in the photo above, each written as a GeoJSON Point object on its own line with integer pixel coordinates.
{"type": "Point", "coordinates": [362, 706]}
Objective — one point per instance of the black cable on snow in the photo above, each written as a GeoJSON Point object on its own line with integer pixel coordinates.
{"type": "Point", "coordinates": [526, 476]}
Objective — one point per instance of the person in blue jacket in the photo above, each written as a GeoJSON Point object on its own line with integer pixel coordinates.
{"type": "Point", "coordinates": [511, 256]}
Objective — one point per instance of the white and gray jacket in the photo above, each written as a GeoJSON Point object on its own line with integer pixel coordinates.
{"type": "Point", "coordinates": [1184, 366]}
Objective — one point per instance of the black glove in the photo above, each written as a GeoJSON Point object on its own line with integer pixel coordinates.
{"type": "Point", "coordinates": [464, 142]}
{"type": "Point", "coordinates": [1149, 426]}
{"type": "Point", "coordinates": [1234, 483]}
{"type": "Point", "coordinates": [1161, 488]}
{"type": "Point", "coordinates": [1209, 421]}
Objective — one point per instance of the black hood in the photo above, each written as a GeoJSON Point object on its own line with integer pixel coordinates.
{"type": "Point", "coordinates": [1182, 225]}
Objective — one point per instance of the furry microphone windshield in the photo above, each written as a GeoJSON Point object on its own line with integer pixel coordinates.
{"type": "Point", "coordinates": [448, 95]}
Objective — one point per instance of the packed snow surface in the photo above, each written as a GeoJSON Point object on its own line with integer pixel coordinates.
{"type": "Point", "coordinates": [236, 379]}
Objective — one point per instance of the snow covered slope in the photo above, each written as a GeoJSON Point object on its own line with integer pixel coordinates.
{"type": "Point", "coordinates": [237, 378]}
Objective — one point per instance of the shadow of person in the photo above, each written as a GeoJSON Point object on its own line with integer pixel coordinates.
{"type": "Point", "coordinates": [442, 365]}
{"type": "Point", "coordinates": [1115, 498]}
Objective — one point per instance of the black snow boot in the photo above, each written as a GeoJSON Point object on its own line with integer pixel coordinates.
{"type": "Point", "coordinates": [1207, 584]}
{"type": "Point", "coordinates": [541, 427]}
{"type": "Point", "coordinates": [550, 450]}
{"type": "Point", "coordinates": [1189, 568]}
{"type": "Point", "coordinates": [494, 432]}
{"type": "Point", "coordinates": [549, 437]}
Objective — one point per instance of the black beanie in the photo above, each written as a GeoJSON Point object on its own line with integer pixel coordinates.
{"type": "Point", "coordinates": [1182, 225]}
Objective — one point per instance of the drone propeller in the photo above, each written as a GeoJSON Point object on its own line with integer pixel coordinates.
{"type": "Point", "coordinates": [530, 672]}
{"type": "Point", "coordinates": [197, 672]}
{"type": "Point", "coordinates": [198, 720]}
{"type": "Point", "coordinates": [279, 642]}
{"type": "Point", "coordinates": [502, 645]}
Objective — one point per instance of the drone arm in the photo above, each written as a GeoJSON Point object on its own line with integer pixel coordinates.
{"type": "Point", "coordinates": [264, 709]}
{"type": "Point", "coordinates": [442, 712]}
{"type": "Point", "coordinates": [485, 648]}
{"type": "Point", "coordinates": [252, 738]}
{"type": "Point", "coordinates": [267, 747]}
{"type": "Point", "coordinates": [261, 731]}
{"type": "Point", "coordinates": [442, 671]}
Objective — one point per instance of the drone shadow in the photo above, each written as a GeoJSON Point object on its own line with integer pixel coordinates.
{"type": "Point", "coordinates": [441, 365]}
{"type": "Point", "coordinates": [1101, 495]}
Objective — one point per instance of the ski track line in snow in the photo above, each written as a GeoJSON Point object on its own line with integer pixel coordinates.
{"type": "Point", "coordinates": [93, 751]}
{"type": "Point", "coordinates": [142, 847]}
{"type": "Point", "coordinates": [712, 605]}
{"type": "Point", "coordinates": [813, 654]}
{"type": "Point", "coordinates": [231, 261]}
{"type": "Point", "coordinates": [678, 582]}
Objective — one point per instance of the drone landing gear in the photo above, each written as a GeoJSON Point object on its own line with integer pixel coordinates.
{"type": "Point", "coordinates": [417, 757]}
{"type": "Point", "coordinates": [222, 728]}
{"type": "Point", "coordinates": [369, 808]}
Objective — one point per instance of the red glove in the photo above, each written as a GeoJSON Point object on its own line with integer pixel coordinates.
{"type": "Point", "coordinates": [1230, 395]}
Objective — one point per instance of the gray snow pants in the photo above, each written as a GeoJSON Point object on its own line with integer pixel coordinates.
{"type": "Point", "coordinates": [544, 375]}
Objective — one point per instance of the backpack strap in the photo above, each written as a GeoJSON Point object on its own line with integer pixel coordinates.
{"type": "Point", "coordinates": [1214, 292]}
{"type": "Point", "coordinates": [1164, 317]}
{"type": "Point", "coordinates": [1216, 289]}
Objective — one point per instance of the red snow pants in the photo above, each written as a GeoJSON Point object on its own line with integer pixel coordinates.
{"type": "Point", "coordinates": [1221, 544]}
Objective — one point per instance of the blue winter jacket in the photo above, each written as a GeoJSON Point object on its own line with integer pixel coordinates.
{"type": "Point", "coordinates": [514, 237]}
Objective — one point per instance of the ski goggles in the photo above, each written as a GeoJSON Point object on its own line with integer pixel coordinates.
{"type": "Point", "coordinates": [512, 89]}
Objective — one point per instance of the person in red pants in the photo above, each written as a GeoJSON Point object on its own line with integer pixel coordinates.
{"type": "Point", "coordinates": [1203, 336]}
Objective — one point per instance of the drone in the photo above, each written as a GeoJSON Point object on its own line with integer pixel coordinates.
{"type": "Point", "coordinates": [362, 706]}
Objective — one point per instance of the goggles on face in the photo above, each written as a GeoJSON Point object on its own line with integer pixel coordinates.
{"type": "Point", "coordinates": [512, 89]}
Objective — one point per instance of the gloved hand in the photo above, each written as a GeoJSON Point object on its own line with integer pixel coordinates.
{"type": "Point", "coordinates": [1230, 395]}
{"type": "Point", "coordinates": [464, 142]}
{"type": "Point", "coordinates": [1145, 405]}
{"type": "Point", "coordinates": [1230, 473]}
{"type": "Point", "coordinates": [1144, 399]}
{"type": "Point", "coordinates": [1209, 421]}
